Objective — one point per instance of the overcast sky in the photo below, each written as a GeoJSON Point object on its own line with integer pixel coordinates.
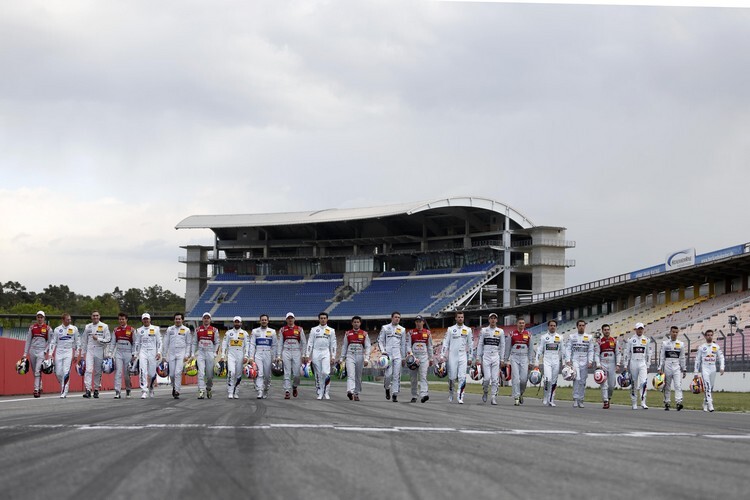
{"type": "Point", "coordinates": [630, 126]}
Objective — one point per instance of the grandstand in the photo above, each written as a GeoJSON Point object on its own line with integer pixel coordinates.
{"type": "Point", "coordinates": [433, 258]}
{"type": "Point", "coordinates": [427, 258]}
{"type": "Point", "coordinates": [702, 295]}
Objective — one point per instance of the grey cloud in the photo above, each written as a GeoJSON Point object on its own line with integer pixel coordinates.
{"type": "Point", "coordinates": [617, 122]}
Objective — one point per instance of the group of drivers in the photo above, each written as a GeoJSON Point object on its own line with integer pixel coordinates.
{"type": "Point", "coordinates": [262, 352]}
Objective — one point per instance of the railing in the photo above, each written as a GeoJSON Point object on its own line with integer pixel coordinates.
{"type": "Point", "coordinates": [189, 260]}
{"type": "Point", "coordinates": [544, 242]}
{"type": "Point", "coordinates": [553, 262]}
{"type": "Point", "coordinates": [184, 276]}
{"type": "Point", "coordinates": [487, 243]}
{"type": "Point", "coordinates": [581, 288]}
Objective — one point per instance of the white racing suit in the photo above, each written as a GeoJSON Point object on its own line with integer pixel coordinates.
{"type": "Point", "coordinates": [178, 341]}
{"type": "Point", "coordinates": [355, 350]}
{"type": "Point", "coordinates": [263, 346]}
{"type": "Point", "coordinates": [392, 341]}
{"type": "Point", "coordinates": [551, 347]}
{"type": "Point", "coordinates": [292, 344]}
{"type": "Point", "coordinates": [605, 357]}
{"type": "Point", "coordinates": [321, 349]}
{"type": "Point", "coordinates": [457, 345]}
{"type": "Point", "coordinates": [37, 341]}
{"type": "Point", "coordinates": [672, 362]}
{"type": "Point", "coordinates": [490, 350]}
{"type": "Point", "coordinates": [234, 348]}
{"type": "Point", "coordinates": [580, 351]}
{"type": "Point", "coordinates": [122, 351]}
{"type": "Point", "coordinates": [637, 358]}
{"type": "Point", "coordinates": [65, 340]}
{"type": "Point", "coordinates": [521, 356]}
{"type": "Point", "coordinates": [93, 352]}
{"type": "Point", "coordinates": [705, 366]}
{"type": "Point", "coordinates": [147, 346]}
{"type": "Point", "coordinates": [205, 342]}
{"type": "Point", "coordinates": [419, 343]}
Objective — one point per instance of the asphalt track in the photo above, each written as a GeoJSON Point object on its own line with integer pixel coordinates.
{"type": "Point", "coordinates": [248, 448]}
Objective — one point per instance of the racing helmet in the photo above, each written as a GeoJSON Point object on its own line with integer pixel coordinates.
{"type": "Point", "coordinates": [250, 370]}
{"type": "Point", "coordinates": [506, 373]}
{"type": "Point", "coordinates": [220, 368]}
{"type": "Point", "coordinates": [22, 366]}
{"type": "Point", "coordinates": [696, 386]}
{"type": "Point", "coordinates": [305, 370]}
{"type": "Point", "coordinates": [277, 368]}
{"type": "Point", "coordinates": [600, 376]}
{"type": "Point", "coordinates": [134, 366]}
{"type": "Point", "coordinates": [162, 369]}
{"type": "Point", "coordinates": [81, 367]}
{"type": "Point", "coordinates": [535, 377]}
{"type": "Point", "coordinates": [108, 365]}
{"type": "Point", "coordinates": [475, 372]}
{"type": "Point", "coordinates": [191, 367]}
{"type": "Point", "coordinates": [658, 381]}
{"type": "Point", "coordinates": [441, 370]}
{"type": "Point", "coordinates": [384, 361]}
{"type": "Point", "coordinates": [568, 373]}
{"type": "Point", "coordinates": [412, 362]}
{"type": "Point", "coordinates": [624, 380]}
{"type": "Point", "coordinates": [48, 366]}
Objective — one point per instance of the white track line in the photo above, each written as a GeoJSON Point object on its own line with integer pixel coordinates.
{"type": "Point", "coordinates": [366, 429]}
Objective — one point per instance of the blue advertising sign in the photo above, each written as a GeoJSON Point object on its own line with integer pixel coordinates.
{"type": "Point", "coordinates": [720, 254]}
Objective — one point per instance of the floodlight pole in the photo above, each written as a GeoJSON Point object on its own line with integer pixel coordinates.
{"type": "Point", "coordinates": [687, 339]}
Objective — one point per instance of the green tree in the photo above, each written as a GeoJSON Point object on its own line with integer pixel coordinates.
{"type": "Point", "coordinates": [60, 297]}
{"type": "Point", "coordinates": [157, 299]}
{"type": "Point", "coordinates": [132, 300]}
{"type": "Point", "coordinates": [106, 304]}
{"type": "Point", "coordinates": [118, 295]}
{"type": "Point", "coordinates": [32, 307]}
{"type": "Point", "coordinates": [12, 293]}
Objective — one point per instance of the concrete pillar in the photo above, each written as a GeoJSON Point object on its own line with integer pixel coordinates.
{"type": "Point", "coordinates": [696, 290]}
{"type": "Point", "coordinates": [711, 289]}
{"type": "Point", "coordinates": [681, 293]}
{"type": "Point", "coordinates": [668, 296]}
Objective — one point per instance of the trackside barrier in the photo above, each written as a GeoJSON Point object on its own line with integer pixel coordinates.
{"type": "Point", "coordinates": [13, 384]}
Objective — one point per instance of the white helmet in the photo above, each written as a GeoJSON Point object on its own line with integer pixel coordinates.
{"type": "Point", "coordinates": [568, 373]}
{"type": "Point", "coordinates": [384, 361]}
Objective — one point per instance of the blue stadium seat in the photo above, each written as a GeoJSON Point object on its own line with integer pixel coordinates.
{"type": "Point", "coordinates": [473, 268]}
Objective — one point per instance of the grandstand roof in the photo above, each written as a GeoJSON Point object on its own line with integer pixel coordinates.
{"type": "Point", "coordinates": [345, 214]}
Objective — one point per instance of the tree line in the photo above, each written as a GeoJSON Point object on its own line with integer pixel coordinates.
{"type": "Point", "coordinates": [56, 299]}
